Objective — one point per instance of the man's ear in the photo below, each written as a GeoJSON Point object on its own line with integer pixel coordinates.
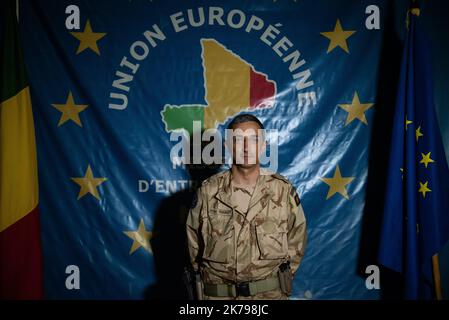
{"type": "Point", "coordinates": [228, 144]}
{"type": "Point", "coordinates": [262, 147]}
{"type": "Point", "coordinates": [228, 139]}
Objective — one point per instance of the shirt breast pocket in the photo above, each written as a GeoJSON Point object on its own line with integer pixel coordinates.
{"type": "Point", "coordinates": [219, 246]}
{"type": "Point", "coordinates": [271, 241]}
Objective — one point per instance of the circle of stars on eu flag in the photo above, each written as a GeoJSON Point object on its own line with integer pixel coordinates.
{"type": "Point", "coordinates": [423, 186]}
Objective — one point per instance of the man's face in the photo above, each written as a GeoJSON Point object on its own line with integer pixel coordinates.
{"type": "Point", "coordinates": [247, 144]}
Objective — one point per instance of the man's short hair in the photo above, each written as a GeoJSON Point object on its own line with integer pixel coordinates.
{"type": "Point", "coordinates": [245, 117]}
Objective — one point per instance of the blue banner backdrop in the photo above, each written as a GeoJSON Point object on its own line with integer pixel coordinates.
{"type": "Point", "coordinates": [107, 96]}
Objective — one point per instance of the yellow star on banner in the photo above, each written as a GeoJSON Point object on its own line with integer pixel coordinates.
{"type": "Point", "coordinates": [356, 110]}
{"type": "Point", "coordinates": [423, 188]}
{"type": "Point", "coordinates": [70, 111]}
{"type": "Point", "coordinates": [407, 122]}
{"type": "Point", "coordinates": [402, 173]}
{"type": "Point", "coordinates": [338, 37]}
{"type": "Point", "coordinates": [418, 133]}
{"type": "Point", "coordinates": [337, 184]}
{"type": "Point", "coordinates": [141, 238]}
{"type": "Point", "coordinates": [426, 159]}
{"type": "Point", "coordinates": [89, 184]}
{"type": "Point", "coordinates": [88, 39]}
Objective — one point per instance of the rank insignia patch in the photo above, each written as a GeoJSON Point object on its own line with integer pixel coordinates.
{"type": "Point", "coordinates": [295, 196]}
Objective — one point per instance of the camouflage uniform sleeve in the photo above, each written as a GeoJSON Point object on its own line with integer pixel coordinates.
{"type": "Point", "coordinates": [297, 235]}
{"type": "Point", "coordinates": [194, 221]}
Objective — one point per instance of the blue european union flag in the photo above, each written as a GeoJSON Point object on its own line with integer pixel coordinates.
{"type": "Point", "coordinates": [416, 213]}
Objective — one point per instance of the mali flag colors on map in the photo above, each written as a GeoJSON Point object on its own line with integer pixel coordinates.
{"type": "Point", "coordinates": [232, 85]}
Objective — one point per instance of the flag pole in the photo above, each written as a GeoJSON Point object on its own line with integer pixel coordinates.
{"type": "Point", "coordinates": [437, 276]}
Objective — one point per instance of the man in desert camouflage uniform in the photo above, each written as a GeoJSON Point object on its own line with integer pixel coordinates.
{"type": "Point", "coordinates": [244, 224]}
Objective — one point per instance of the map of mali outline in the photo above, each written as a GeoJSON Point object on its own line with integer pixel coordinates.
{"type": "Point", "coordinates": [231, 85]}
